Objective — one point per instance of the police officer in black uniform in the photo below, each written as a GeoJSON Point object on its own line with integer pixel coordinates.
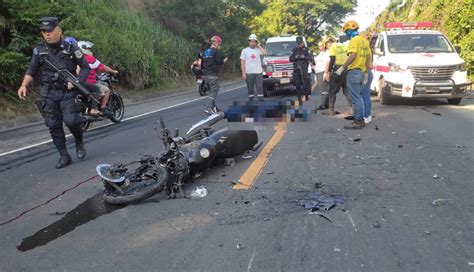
{"type": "Point", "coordinates": [58, 103]}
{"type": "Point", "coordinates": [301, 58]}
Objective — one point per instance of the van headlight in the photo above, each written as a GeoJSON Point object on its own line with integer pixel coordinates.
{"type": "Point", "coordinates": [397, 67]}
{"type": "Point", "coordinates": [461, 67]}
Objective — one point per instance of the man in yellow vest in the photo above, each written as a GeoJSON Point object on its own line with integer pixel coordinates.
{"type": "Point", "coordinates": [356, 66]}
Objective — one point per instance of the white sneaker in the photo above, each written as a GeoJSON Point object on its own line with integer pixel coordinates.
{"type": "Point", "coordinates": [368, 119]}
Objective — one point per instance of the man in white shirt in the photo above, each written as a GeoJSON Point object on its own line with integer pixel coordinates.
{"type": "Point", "coordinates": [322, 63]}
{"type": "Point", "coordinates": [251, 66]}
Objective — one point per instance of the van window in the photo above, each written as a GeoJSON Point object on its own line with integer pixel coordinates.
{"type": "Point", "coordinates": [280, 48]}
{"type": "Point", "coordinates": [416, 43]}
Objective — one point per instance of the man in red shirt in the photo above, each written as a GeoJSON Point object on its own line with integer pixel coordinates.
{"type": "Point", "coordinates": [96, 66]}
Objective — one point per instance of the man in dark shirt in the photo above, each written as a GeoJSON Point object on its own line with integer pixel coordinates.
{"type": "Point", "coordinates": [212, 59]}
{"type": "Point", "coordinates": [58, 103]}
{"type": "Point", "coordinates": [301, 58]}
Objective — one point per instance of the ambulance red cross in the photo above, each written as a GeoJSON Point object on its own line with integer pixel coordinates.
{"type": "Point", "coordinates": [413, 61]}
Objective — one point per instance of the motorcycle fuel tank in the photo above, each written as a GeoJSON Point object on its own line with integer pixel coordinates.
{"type": "Point", "coordinates": [232, 143]}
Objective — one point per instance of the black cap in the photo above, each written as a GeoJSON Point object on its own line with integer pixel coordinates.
{"type": "Point", "coordinates": [48, 23]}
{"type": "Point", "coordinates": [299, 40]}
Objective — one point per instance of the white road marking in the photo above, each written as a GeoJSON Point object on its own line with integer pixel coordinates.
{"type": "Point", "coordinates": [352, 221]}
{"type": "Point", "coordinates": [123, 120]}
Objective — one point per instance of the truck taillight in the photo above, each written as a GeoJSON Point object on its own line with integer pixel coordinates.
{"type": "Point", "coordinates": [408, 26]}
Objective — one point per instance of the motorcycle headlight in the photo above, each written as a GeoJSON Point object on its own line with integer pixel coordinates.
{"type": "Point", "coordinates": [205, 153]}
{"type": "Point", "coordinates": [269, 68]}
{"type": "Point", "coordinates": [397, 67]}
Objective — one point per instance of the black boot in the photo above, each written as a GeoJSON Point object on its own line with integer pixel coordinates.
{"type": "Point", "coordinates": [80, 149]}
{"type": "Point", "coordinates": [64, 160]}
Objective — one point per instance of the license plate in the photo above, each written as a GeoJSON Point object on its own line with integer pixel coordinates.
{"type": "Point", "coordinates": [284, 80]}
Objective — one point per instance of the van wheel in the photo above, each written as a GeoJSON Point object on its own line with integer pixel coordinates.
{"type": "Point", "coordinates": [385, 97]}
{"type": "Point", "coordinates": [454, 101]}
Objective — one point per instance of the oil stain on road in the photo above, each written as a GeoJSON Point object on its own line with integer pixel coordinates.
{"type": "Point", "coordinates": [91, 209]}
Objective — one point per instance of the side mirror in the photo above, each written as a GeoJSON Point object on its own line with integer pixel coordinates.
{"type": "Point", "coordinates": [378, 52]}
{"type": "Point", "coordinates": [458, 49]}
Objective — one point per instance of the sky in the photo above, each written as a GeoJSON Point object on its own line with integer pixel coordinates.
{"type": "Point", "coordinates": [366, 12]}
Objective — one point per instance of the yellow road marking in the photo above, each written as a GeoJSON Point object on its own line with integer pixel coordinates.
{"type": "Point", "coordinates": [251, 174]}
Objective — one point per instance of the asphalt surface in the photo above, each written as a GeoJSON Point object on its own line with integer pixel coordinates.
{"type": "Point", "coordinates": [406, 159]}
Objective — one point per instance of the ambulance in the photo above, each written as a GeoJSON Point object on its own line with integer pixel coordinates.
{"type": "Point", "coordinates": [412, 61]}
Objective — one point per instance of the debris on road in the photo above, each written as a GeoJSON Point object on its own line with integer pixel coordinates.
{"type": "Point", "coordinates": [427, 232]}
{"type": "Point", "coordinates": [270, 173]}
{"type": "Point", "coordinates": [199, 191]}
{"type": "Point", "coordinates": [436, 176]}
{"type": "Point", "coordinates": [376, 127]}
{"type": "Point", "coordinates": [322, 215]}
{"type": "Point", "coordinates": [341, 156]}
{"type": "Point", "coordinates": [58, 213]}
{"type": "Point", "coordinates": [400, 146]}
{"type": "Point", "coordinates": [373, 157]}
{"type": "Point", "coordinates": [377, 224]}
{"type": "Point", "coordinates": [223, 174]}
{"type": "Point", "coordinates": [316, 201]}
{"type": "Point", "coordinates": [246, 157]}
{"type": "Point", "coordinates": [460, 146]}
{"type": "Point", "coordinates": [231, 161]}
{"type": "Point", "coordinates": [420, 147]}
{"type": "Point", "coordinates": [355, 139]}
{"type": "Point", "coordinates": [240, 246]}
{"type": "Point", "coordinates": [422, 131]}
{"type": "Point", "coordinates": [337, 249]}
{"type": "Point", "coordinates": [441, 201]}
{"type": "Point", "coordinates": [436, 113]}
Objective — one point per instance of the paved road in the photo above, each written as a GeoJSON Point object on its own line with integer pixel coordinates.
{"type": "Point", "coordinates": [386, 223]}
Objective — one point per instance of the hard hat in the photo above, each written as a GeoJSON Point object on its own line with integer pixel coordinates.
{"type": "Point", "coordinates": [253, 37]}
{"type": "Point", "coordinates": [351, 24]}
{"type": "Point", "coordinates": [216, 39]}
{"type": "Point", "coordinates": [70, 40]}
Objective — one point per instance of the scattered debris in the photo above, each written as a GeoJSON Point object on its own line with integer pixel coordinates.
{"type": "Point", "coordinates": [436, 113]}
{"type": "Point", "coordinates": [470, 263]}
{"type": "Point", "coordinates": [246, 202]}
{"type": "Point", "coordinates": [355, 139]}
{"type": "Point", "coordinates": [221, 245]}
{"type": "Point", "coordinates": [400, 146]}
{"type": "Point", "coordinates": [318, 184]}
{"type": "Point", "coordinates": [266, 219]}
{"type": "Point", "coordinates": [377, 224]}
{"type": "Point", "coordinates": [373, 157]}
{"type": "Point", "coordinates": [246, 157]}
{"type": "Point", "coordinates": [435, 176]}
{"type": "Point", "coordinates": [341, 156]}
{"type": "Point", "coordinates": [270, 173]}
{"type": "Point", "coordinates": [441, 201]}
{"type": "Point", "coordinates": [422, 131]}
{"type": "Point", "coordinates": [240, 246]}
{"type": "Point", "coordinates": [58, 213]}
{"type": "Point", "coordinates": [460, 146]}
{"type": "Point", "coordinates": [376, 127]}
{"type": "Point", "coordinates": [316, 201]}
{"type": "Point", "coordinates": [420, 147]}
{"type": "Point", "coordinates": [393, 132]}
{"type": "Point", "coordinates": [223, 174]}
{"type": "Point", "coordinates": [427, 232]}
{"type": "Point", "coordinates": [321, 215]}
{"type": "Point", "coordinates": [337, 249]}
{"type": "Point", "coordinates": [199, 191]}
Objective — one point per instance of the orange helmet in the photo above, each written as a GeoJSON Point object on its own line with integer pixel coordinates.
{"type": "Point", "coordinates": [216, 39]}
{"type": "Point", "coordinates": [351, 24]}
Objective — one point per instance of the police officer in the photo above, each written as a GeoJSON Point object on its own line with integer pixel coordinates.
{"type": "Point", "coordinates": [58, 103]}
{"type": "Point", "coordinates": [301, 58]}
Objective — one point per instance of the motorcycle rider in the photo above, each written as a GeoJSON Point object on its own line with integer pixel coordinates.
{"type": "Point", "coordinates": [58, 103]}
{"type": "Point", "coordinates": [212, 58]}
{"type": "Point", "coordinates": [301, 58]}
{"type": "Point", "coordinates": [96, 66]}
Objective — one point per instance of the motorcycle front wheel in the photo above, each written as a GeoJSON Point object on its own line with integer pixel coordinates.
{"type": "Point", "coordinates": [138, 191]}
{"type": "Point", "coordinates": [117, 107]}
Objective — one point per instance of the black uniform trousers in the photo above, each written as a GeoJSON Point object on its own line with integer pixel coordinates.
{"type": "Point", "coordinates": [335, 84]}
{"type": "Point", "coordinates": [302, 80]}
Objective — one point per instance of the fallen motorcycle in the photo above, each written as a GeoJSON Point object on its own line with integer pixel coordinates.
{"type": "Point", "coordinates": [115, 104]}
{"type": "Point", "coordinates": [182, 158]}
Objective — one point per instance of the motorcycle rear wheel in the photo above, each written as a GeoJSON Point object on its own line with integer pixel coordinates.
{"type": "Point", "coordinates": [138, 191]}
{"type": "Point", "coordinates": [202, 88]}
{"type": "Point", "coordinates": [117, 107]}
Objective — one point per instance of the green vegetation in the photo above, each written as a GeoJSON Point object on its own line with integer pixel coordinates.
{"type": "Point", "coordinates": [453, 17]}
{"type": "Point", "coordinates": [152, 42]}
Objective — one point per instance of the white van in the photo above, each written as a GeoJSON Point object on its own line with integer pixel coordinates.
{"type": "Point", "coordinates": [411, 62]}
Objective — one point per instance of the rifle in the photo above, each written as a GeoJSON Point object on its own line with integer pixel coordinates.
{"type": "Point", "coordinates": [67, 76]}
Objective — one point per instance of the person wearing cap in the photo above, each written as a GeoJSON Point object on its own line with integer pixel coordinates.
{"type": "Point", "coordinates": [212, 59]}
{"type": "Point", "coordinates": [301, 58]}
{"type": "Point", "coordinates": [356, 66]}
{"type": "Point", "coordinates": [366, 87]}
{"type": "Point", "coordinates": [251, 66]}
{"type": "Point", "coordinates": [58, 103]}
